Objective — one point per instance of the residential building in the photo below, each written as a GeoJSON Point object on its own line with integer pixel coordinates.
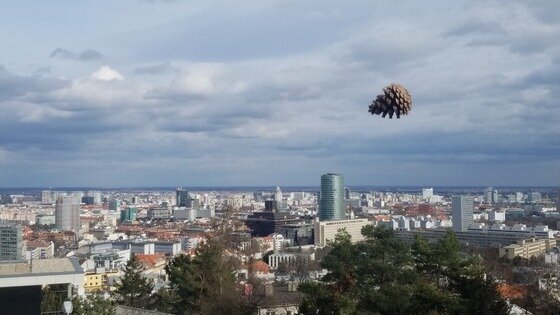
{"type": "Point", "coordinates": [98, 279]}
{"type": "Point", "coordinates": [46, 197]}
{"type": "Point", "coordinates": [527, 248]}
{"type": "Point", "coordinates": [67, 214]}
{"type": "Point", "coordinates": [39, 249]}
{"type": "Point", "coordinates": [481, 235]}
{"type": "Point", "coordinates": [427, 193]}
{"type": "Point", "coordinates": [159, 213]}
{"type": "Point", "coordinates": [462, 212]}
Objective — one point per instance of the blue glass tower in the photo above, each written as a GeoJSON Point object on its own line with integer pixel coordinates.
{"type": "Point", "coordinates": [331, 203]}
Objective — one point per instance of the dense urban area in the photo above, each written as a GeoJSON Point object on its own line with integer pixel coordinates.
{"type": "Point", "coordinates": [297, 250]}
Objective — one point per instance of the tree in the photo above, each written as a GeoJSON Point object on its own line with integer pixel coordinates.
{"type": "Point", "coordinates": [52, 297]}
{"type": "Point", "coordinates": [382, 275]}
{"type": "Point", "coordinates": [92, 305]}
{"type": "Point", "coordinates": [134, 289]}
{"type": "Point", "coordinates": [204, 284]}
{"type": "Point", "coordinates": [185, 286]}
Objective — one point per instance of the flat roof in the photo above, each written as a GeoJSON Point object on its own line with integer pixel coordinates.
{"type": "Point", "coordinates": [39, 267]}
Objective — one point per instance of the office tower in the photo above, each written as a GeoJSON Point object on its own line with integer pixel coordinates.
{"type": "Point", "coordinates": [462, 212]}
{"type": "Point", "coordinates": [278, 195]}
{"type": "Point", "coordinates": [495, 196]}
{"type": "Point", "coordinates": [114, 205]}
{"type": "Point", "coordinates": [488, 192]}
{"type": "Point", "coordinates": [269, 206]}
{"type": "Point", "coordinates": [347, 193]}
{"type": "Point", "coordinates": [95, 197]}
{"type": "Point", "coordinates": [182, 198]}
{"type": "Point", "coordinates": [67, 214]}
{"type": "Point", "coordinates": [11, 243]}
{"type": "Point", "coordinates": [88, 200]}
{"type": "Point", "coordinates": [46, 197]}
{"type": "Point", "coordinates": [278, 199]}
{"type": "Point", "coordinates": [427, 193]}
{"type": "Point", "coordinates": [129, 214]}
{"type": "Point", "coordinates": [331, 204]}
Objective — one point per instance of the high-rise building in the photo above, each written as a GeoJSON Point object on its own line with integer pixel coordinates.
{"type": "Point", "coordinates": [427, 193]}
{"type": "Point", "coordinates": [462, 212]}
{"type": "Point", "coordinates": [67, 214]}
{"type": "Point", "coordinates": [331, 203]}
{"type": "Point", "coordinates": [129, 214]}
{"type": "Point", "coordinates": [347, 193]}
{"type": "Point", "coordinates": [495, 196]}
{"type": "Point", "coordinates": [11, 243]}
{"type": "Point", "coordinates": [114, 205]}
{"type": "Point", "coordinates": [182, 197]}
{"type": "Point", "coordinates": [534, 197]}
{"type": "Point", "coordinates": [279, 199]}
{"type": "Point", "coordinates": [278, 195]}
{"type": "Point", "coordinates": [95, 197]}
{"type": "Point", "coordinates": [46, 197]}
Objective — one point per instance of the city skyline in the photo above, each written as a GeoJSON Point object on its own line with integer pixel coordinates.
{"type": "Point", "coordinates": [245, 94]}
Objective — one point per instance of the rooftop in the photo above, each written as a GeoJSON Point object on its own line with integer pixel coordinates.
{"type": "Point", "coordinates": [40, 266]}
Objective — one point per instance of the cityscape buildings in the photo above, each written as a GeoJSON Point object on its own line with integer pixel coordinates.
{"type": "Point", "coordinates": [11, 244]}
{"type": "Point", "coordinates": [182, 198]}
{"type": "Point", "coordinates": [67, 214]}
{"type": "Point", "coordinates": [331, 203]}
{"type": "Point", "coordinates": [462, 212]}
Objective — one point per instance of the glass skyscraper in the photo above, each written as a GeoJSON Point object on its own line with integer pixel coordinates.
{"type": "Point", "coordinates": [331, 203]}
{"type": "Point", "coordinates": [182, 198]}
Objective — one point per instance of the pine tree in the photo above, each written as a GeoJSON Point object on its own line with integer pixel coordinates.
{"type": "Point", "coordinates": [92, 305]}
{"type": "Point", "coordinates": [134, 289]}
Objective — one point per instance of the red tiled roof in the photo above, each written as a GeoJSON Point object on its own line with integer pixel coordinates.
{"type": "Point", "coordinates": [151, 261]}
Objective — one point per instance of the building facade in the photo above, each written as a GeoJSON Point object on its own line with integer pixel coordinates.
{"type": "Point", "coordinates": [181, 197]}
{"type": "Point", "coordinates": [11, 243]}
{"type": "Point", "coordinates": [462, 212]}
{"type": "Point", "coordinates": [67, 214]}
{"type": "Point", "coordinates": [326, 230]}
{"type": "Point", "coordinates": [527, 248]}
{"type": "Point", "coordinates": [331, 203]}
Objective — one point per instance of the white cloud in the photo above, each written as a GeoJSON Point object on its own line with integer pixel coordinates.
{"type": "Point", "coordinates": [106, 73]}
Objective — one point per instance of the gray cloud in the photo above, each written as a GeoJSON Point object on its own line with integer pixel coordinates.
{"type": "Point", "coordinates": [279, 93]}
{"type": "Point", "coordinates": [86, 55]}
{"type": "Point", "coordinates": [162, 68]}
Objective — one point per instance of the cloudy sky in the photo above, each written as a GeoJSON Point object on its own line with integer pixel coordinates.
{"type": "Point", "coordinates": [194, 93]}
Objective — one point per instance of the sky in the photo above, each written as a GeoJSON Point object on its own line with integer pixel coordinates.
{"type": "Point", "coordinates": [222, 92]}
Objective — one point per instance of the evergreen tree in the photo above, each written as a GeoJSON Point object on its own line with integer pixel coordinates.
{"type": "Point", "coordinates": [203, 284]}
{"type": "Point", "coordinates": [382, 275]}
{"type": "Point", "coordinates": [92, 305]}
{"type": "Point", "coordinates": [134, 289]}
{"type": "Point", "coordinates": [52, 297]}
